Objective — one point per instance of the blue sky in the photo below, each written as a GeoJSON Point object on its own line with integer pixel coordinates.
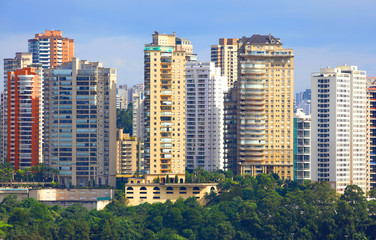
{"type": "Point", "coordinates": [321, 32]}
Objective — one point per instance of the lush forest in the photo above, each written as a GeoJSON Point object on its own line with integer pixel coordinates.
{"type": "Point", "coordinates": [124, 119]}
{"type": "Point", "coordinates": [264, 207]}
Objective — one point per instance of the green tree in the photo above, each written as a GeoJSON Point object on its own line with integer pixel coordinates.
{"type": "Point", "coordinates": [124, 119]}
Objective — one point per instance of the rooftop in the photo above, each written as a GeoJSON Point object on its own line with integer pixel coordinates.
{"type": "Point", "coordinates": [261, 39]}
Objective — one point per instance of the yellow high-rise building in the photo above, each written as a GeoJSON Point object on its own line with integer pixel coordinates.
{"type": "Point", "coordinates": [129, 154]}
{"type": "Point", "coordinates": [259, 109]}
{"type": "Point", "coordinates": [164, 109]}
{"type": "Point", "coordinates": [225, 56]}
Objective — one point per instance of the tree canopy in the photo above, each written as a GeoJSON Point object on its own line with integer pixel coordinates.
{"type": "Point", "coordinates": [262, 207]}
{"type": "Point", "coordinates": [124, 119]}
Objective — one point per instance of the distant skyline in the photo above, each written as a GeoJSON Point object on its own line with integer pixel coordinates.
{"type": "Point", "coordinates": [322, 33]}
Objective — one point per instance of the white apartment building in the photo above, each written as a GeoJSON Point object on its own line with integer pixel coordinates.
{"type": "Point", "coordinates": [204, 117]}
{"type": "Point", "coordinates": [339, 127]}
{"type": "Point", "coordinates": [122, 97]}
{"type": "Point", "coordinates": [302, 146]}
{"type": "Point", "coordinates": [138, 115]}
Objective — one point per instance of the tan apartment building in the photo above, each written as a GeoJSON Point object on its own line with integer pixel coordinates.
{"type": "Point", "coordinates": [80, 122]}
{"type": "Point", "coordinates": [259, 109]}
{"type": "Point", "coordinates": [128, 154]}
{"type": "Point", "coordinates": [164, 108]}
{"type": "Point", "coordinates": [225, 56]}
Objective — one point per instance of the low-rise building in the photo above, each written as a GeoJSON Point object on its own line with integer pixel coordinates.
{"type": "Point", "coordinates": [139, 193]}
{"type": "Point", "coordinates": [89, 198]}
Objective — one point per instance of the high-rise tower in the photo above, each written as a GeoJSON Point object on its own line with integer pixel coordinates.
{"type": "Point", "coordinates": [259, 109]}
{"type": "Point", "coordinates": [205, 89]}
{"type": "Point", "coordinates": [225, 56]}
{"type": "Point", "coordinates": [164, 109]}
{"type": "Point", "coordinates": [371, 133]}
{"type": "Point", "coordinates": [80, 122]}
{"type": "Point", "coordinates": [23, 125]}
{"type": "Point", "coordinates": [51, 48]}
{"type": "Point", "coordinates": [339, 127]}
{"type": "Point", "coordinates": [20, 61]}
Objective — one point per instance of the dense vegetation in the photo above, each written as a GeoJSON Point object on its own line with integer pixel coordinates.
{"type": "Point", "coordinates": [251, 208]}
{"type": "Point", "coordinates": [124, 119]}
{"type": "Point", "coordinates": [40, 173]}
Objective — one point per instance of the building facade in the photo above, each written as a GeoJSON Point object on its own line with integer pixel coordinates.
{"type": "Point", "coordinates": [24, 141]}
{"type": "Point", "coordinates": [225, 56]}
{"type": "Point", "coordinates": [205, 88]}
{"type": "Point", "coordinates": [259, 109]}
{"type": "Point", "coordinates": [371, 133]}
{"type": "Point", "coordinates": [302, 146]}
{"type": "Point", "coordinates": [129, 153]}
{"type": "Point", "coordinates": [51, 48]}
{"type": "Point", "coordinates": [21, 60]}
{"type": "Point", "coordinates": [164, 109]}
{"type": "Point", "coordinates": [122, 97]}
{"type": "Point", "coordinates": [338, 127]}
{"type": "Point", "coordinates": [138, 119]}
{"type": "Point", "coordinates": [80, 123]}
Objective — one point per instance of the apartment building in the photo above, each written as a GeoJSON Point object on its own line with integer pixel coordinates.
{"type": "Point", "coordinates": [122, 97]}
{"type": "Point", "coordinates": [21, 60]}
{"type": "Point", "coordinates": [164, 108]}
{"type": "Point", "coordinates": [302, 146]}
{"type": "Point", "coordinates": [129, 155]}
{"type": "Point", "coordinates": [23, 137]}
{"type": "Point", "coordinates": [371, 133]}
{"type": "Point", "coordinates": [80, 122]}
{"type": "Point", "coordinates": [138, 119]}
{"type": "Point", "coordinates": [205, 88]}
{"type": "Point", "coordinates": [51, 48]}
{"type": "Point", "coordinates": [259, 109]}
{"type": "Point", "coordinates": [225, 56]}
{"type": "Point", "coordinates": [339, 127]}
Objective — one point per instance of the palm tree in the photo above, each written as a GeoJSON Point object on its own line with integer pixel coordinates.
{"type": "Point", "coordinates": [27, 170]}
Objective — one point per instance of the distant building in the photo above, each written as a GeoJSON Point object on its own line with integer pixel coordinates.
{"type": "Point", "coordinates": [51, 48]}
{"type": "Point", "coordinates": [303, 96]}
{"type": "Point", "coordinates": [135, 89]}
{"type": "Point", "coordinates": [339, 127]}
{"type": "Point", "coordinates": [138, 119]}
{"type": "Point", "coordinates": [259, 109]}
{"type": "Point", "coordinates": [122, 97]}
{"type": "Point", "coordinates": [80, 123]}
{"type": "Point", "coordinates": [205, 88]}
{"type": "Point", "coordinates": [305, 105]}
{"type": "Point", "coordinates": [302, 146]}
{"type": "Point", "coordinates": [129, 155]}
{"type": "Point", "coordinates": [225, 56]}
